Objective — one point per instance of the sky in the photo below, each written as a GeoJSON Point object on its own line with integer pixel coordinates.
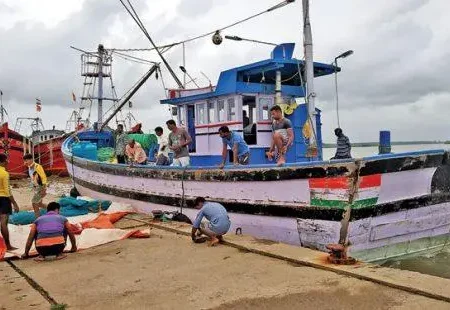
{"type": "Point", "coordinates": [397, 78]}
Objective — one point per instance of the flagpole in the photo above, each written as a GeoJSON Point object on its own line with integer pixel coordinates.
{"type": "Point", "coordinates": [1, 106]}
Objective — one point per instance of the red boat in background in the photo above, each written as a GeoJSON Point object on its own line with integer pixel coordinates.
{"type": "Point", "coordinates": [47, 151]}
{"type": "Point", "coordinates": [14, 145]}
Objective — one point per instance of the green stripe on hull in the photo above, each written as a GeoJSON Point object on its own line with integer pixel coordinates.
{"type": "Point", "coordinates": [364, 203]}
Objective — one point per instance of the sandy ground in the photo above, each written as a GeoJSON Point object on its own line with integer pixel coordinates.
{"type": "Point", "coordinates": [23, 193]}
{"type": "Point", "coordinates": [167, 271]}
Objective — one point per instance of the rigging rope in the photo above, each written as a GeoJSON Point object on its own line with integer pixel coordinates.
{"type": "Point", "coordinates": [272, 8]}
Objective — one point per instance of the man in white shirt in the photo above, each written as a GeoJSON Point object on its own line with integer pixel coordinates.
{"type": "Point", "coordinates": [162, 157]}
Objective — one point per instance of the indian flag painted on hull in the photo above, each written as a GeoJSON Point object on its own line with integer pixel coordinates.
{"type": "Point", "coordinates": [335, 192]}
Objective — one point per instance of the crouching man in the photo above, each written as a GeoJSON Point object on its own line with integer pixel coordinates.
{"type": "Point", "coordinates": [217, 223]}
{"type": "Point", "coordinates": [50, 232]}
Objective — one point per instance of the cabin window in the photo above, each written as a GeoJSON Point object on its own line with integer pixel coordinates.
{"type": "Point", "coordinates": [51, 137]}
{"type": "Point", "coordinates": [212, 111]}
{"type": "Point", "coordinates": [201, 114]}
{"type": "Point", "coordinates": [265, 104]}
{"type": "Point", "coordinates": [221, 110]}
{"type": "Point", "coordinates": [181, 115]}
{"type": "Point", "coordinates": [249, 119]}
{"type": "Point", "coordinates": [231, 109]}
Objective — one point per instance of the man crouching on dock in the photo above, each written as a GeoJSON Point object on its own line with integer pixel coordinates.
{"type": "Point", "coordinates": [218, 222]}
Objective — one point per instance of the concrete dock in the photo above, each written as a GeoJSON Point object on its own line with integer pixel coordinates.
{"type": "Point", "coordinates": [168, 271]}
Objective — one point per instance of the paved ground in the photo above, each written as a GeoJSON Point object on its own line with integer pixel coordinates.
{"type": "Point", "coordinates": [167, 271]}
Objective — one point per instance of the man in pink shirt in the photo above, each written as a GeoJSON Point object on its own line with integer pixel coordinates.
{"type": "Point", "coordinates": [135, 153]}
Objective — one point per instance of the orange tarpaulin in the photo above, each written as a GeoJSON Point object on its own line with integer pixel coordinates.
{"type": "Point", "coordinates": [85, 231]}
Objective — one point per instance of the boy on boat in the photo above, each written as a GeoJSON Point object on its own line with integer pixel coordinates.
{"type": "Point", "coordinates": [283, 135]}
{"type": "Point", "coordinates": [162, 157]}
{"type": "Point", "coordinates": [135, 153]}
{"type": "Point", "coordinates": [179, 139]}
{"type": "Point", "coordinates": [344, 147]}
{"type": "Point", "coordinates": [121, 142]}
{"type": "Point", "coordinates": [235, 141]}
{"type": "Point", "coordinates": [6, 202]}
{"type": "Point", "coordinates": [49, 232]}
{"type": "Point", "coordinates": [39, 182]}
{"type": "Point", "coordinates": [217, 225]}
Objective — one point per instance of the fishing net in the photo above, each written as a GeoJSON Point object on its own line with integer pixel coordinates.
{"type": "Point", "coordinates": [105, 154]}
{"type": "Point", "coordinates": [69, 207]}
{"type": "Point", "coordinates": [145, 140]}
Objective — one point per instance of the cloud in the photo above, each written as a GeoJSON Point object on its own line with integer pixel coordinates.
{"type": "Point", "coordinates": [396, 79]}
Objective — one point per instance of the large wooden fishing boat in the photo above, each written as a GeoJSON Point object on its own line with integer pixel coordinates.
{"type": "Point", "coordinates": [381, 207]}
{"type": "Point", "coordinates": [14, 145]}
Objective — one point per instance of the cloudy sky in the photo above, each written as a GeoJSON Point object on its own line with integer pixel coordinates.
{"type": "Point", "coordinates": [397, 78]}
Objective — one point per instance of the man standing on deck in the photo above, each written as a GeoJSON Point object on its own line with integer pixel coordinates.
{"type": "Point", "coordinates": [39, 183]}
{"type": "Point", "coordinates": [241, 153]}
{"type": "Point", "coordinates": [121, 142]}
{"type": "Point", "coordinates": [344, 147]}
{"type": "Point", "coordinates": [6, 200]}
{"type": "Point", "coordinates": [162, 157]}
{"type": "Point", "coordinates": [283, 135]}
{"type": "Point", "coordinates": [135, 153]}
{"type": "Point", "coordinates": [50, 234]}
{"type": "Point", "coordinates": [218, 221]}
{"type": "Point", "coordinates": [179, 139]}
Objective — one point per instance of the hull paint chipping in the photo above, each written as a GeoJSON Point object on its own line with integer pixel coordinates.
{"type": "Point", "coordinates": [389, 209]}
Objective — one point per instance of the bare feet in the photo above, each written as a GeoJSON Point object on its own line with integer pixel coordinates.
{"type": "Point", "coordinates": [281, 161]}
{"type": "Point", "coordinates": [60, 256]}
{"type": "Point", "coordinates": [10, 248]}
{"type": "Point", "coordinates": [214, 241]}
{"type": "Point", "coordinates": [39, 259]}
{"type": "Point", "coordinates": [269, 155]}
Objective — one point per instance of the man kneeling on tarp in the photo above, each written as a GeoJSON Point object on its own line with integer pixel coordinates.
{"type": "Point", "coordinates": [50, 232]}
{"type": "Point", "coordinates": [218, 222]}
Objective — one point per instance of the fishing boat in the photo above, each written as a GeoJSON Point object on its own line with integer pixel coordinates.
{"type": "Point", "coordinates": [47, 149]}
{"type": "Point", "coordinates": [45, 145]}
{"type": "Point", "coordinates": [378, 207]}
{"type": "Point", "coordinates": [13, 144]}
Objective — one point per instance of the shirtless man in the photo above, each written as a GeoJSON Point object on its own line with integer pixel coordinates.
{"type": "Point", "coordinates": [283, 135]}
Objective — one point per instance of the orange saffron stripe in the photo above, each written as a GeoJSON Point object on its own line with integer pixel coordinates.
{"type": "Point", "coordinates": [343, 182]}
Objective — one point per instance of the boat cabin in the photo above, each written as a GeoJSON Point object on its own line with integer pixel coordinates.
{"type": "Point", "coordinates": [242, 101]}
{"type": "Point", "coordinates": [45, 135]}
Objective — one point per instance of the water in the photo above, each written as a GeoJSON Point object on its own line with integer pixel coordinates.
{"type": "Point", "coordinates": [437, 264]}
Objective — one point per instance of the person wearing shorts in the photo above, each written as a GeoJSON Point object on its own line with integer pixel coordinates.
{"type": "Point", "coordinates": [6, 202]}
{"type": "Point", "coordinates": [217, 224]}
{"type": "Point", "coordinates": [282, 135]}
{"type": "Point", "coordinates": [233, 140]}
{"type": "Point", "coordinates": [179, 139]}
{"type": "Point", "coordinates": [49, 232]}
{"type": "Point", "coordinates": [38, 181]}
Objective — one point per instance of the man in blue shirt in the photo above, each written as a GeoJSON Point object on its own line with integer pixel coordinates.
{"type": "Point", "coordinates": [218, 221]}
{"type": "Point", "coordinates": [241, 153]}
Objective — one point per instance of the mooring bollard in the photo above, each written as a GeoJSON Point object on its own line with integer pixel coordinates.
{"type": "Point", "coordinates": [384, 146]}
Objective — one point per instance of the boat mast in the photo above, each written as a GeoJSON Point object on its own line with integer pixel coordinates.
{"type": "Point", "coordinates": [308, 50]}
{"type": "Point", "coordinates": [101, 52]}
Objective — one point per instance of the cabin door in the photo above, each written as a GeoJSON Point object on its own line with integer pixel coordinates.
{"type": "Point", "coordinates": [191, 126]}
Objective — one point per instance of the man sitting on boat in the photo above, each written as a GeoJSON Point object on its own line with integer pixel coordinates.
{"type": "Point", "coordinates": [162, 157]}
{"type": "Point", "coordinates": [50, 233]}
{"type": "Point", "coordinates": [6, 202]}
{"type": "Point", "coordinates": [235, 141]}
{"type": "Point", "coordinates": [283, 135]}
{"type": "Point", "coordinates": [344, 147]}
{"type": "Point", "coordinates": [39, 182]}
{"type": "Point", "coordinates": [218, 221]}
{"type": "Point", "coordinates": [179, 139]}
{"type": "Point", "coordinates": [135, 153]}
{"type": "Point", "coordinates": [121, 142]}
